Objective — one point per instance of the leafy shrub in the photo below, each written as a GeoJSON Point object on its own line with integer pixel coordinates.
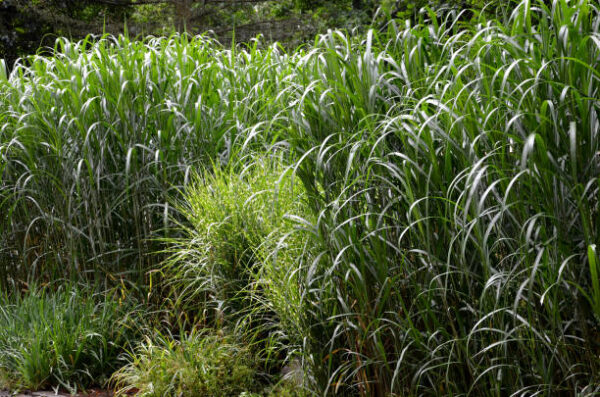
{"type": "Point", "coordinates": [65, 338]}
{"type": "Point", "coordinates": [200, 364]}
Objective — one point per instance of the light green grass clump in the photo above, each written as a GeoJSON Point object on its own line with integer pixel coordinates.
{"type": "Point", "coordinates": [238, 243]}
{"type": "Point", "coordinates": [198, 365]}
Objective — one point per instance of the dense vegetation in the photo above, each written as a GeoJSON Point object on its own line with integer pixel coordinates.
{"type": "Point", "coordinates": [410, 211]}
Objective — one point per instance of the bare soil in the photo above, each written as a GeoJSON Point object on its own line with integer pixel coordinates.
{"type": "Point", "coordinates": [90, 393]}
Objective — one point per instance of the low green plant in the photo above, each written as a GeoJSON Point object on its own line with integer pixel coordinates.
{"type": "Point", "coordinates": [199, 364]}
{"type": "Point", "coordinates": [67, 338]}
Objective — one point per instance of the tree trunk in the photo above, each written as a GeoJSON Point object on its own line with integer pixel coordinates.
{"type": "Point", "coordinates": [183, 13]}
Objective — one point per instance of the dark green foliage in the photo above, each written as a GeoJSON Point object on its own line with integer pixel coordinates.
{"type": "Point", "coordinates": [29, 26]}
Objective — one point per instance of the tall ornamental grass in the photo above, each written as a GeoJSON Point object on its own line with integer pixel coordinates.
{"type": "Point", "coordinates": [95, 140]}
{"type": "Point", "coordinates": [449, 171]}
{"type": "Point", "coordinates": [453, 169]}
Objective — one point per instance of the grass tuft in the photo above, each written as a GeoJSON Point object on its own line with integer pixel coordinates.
{"type": "Point", "coordinates": [64, 338]}
{"type": "Point", "coordinates": [199, 364]}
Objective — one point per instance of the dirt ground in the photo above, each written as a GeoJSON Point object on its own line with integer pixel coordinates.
{"type": "Point", "coordinates": [91, 393]}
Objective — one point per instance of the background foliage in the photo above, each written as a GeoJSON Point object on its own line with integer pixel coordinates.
{"type": "Point", "coordinates": [29, 25]}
